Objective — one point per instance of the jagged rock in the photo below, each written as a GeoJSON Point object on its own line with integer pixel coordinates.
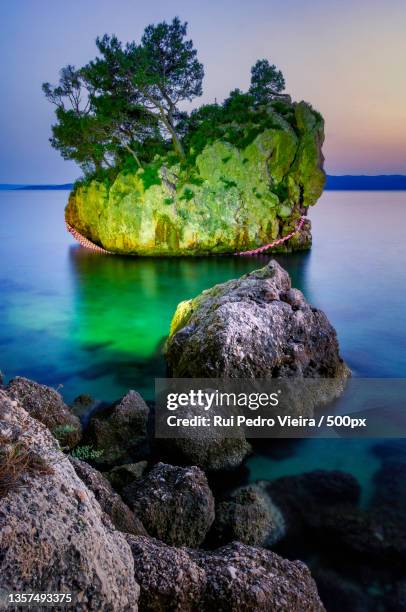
{"type": "Point", "coordinates": [249, 516]}
{"type": "Point", "coordinates": [175, 504]}
{"type": "Point", "coordinates": [211, 448]}
{"type": "Point", "coordinates": [214, 453]}
{"type": "Point", "coordinates": [229, 197]}
{"type": "Point", "coordinates": [54, 536]}
{"type": "Point", "coordinates": [235, 578]}
{"type": "Point", "coordinates": [169, 580]}
{"type": "Point", "coordinates": [112, 504]}
{"type": "Point", "coordinates": [122, 475]}
{"type": "Point", "coordinates": [243, 578]}
{"type": "Point", "coordinates": [120, 432]}
{"type": "Point", "coordinates": [46, 405]}
{"type": "Point", "coordinates": [255, 327]}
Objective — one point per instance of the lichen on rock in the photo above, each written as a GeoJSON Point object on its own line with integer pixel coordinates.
{"type": "Point", "coordinates": [229, 196]}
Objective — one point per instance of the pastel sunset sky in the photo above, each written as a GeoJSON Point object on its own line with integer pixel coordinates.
{"type": "Point", "coordinates": [346, 57]}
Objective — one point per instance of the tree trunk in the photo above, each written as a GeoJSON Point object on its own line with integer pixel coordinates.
{"type": "Point", "coordinates": [129, 149]}
{"type": "Point", "coordinates": [175, 138]}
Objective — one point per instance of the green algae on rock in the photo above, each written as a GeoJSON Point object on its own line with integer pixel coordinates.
{"type": "Point", "coordinates": [230, 196]}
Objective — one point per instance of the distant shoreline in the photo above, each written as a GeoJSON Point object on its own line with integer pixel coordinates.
{"type": "Point", "coordinates": [11, 187]}
{"type": "Point", "coordinates": [383, 182]}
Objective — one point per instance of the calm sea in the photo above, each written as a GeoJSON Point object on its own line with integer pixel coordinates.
{"type": "Point", "coordinates": [86, 323]}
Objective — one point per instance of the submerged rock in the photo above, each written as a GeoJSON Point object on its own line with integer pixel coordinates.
{"type": "Point", "coordinates": [236, 578]}
{"type": "Point", "coordinates": [120, 433]}
{"type": "Point", "coordinates": [46, 405]}
{"type": "Point", "coordinates": [304, 498]}
{"type": "Point", "coordinates": [175, 504]}
{"type": "Point", "coordinates": [112, 504]}
{"type": "Point", "coordinates": [230, 198]}
{"type": "Point", "coordinates": [249, 516]}
{"type": "Point", "coordinates": [338, 593]}
{"type": "Point", "coordinates": [254, 327]}
{"type": "Point", "coordinates": [54, 536]}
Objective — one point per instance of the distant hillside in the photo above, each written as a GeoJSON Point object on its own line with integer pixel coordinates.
{"type": "Point", "coordinates": [11, 187]}
{"type": "Point", "coordinates": [383, 182]}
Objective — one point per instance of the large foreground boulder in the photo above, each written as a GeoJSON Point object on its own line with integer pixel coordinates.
{"type": "Point", "coordinates": [54, 536]}
{"type": "Point", "coordinates": [236, 578]}
{"type": "Point", "coordinates": [243, 186]}
{"type": "Point", "coordinates": [46, 405]}
{"type": "Point", "coordinates": [175, 504]}
{"type": "Point", "coordinates": [254, 327]}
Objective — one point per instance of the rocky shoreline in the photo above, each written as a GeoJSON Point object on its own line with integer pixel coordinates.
{"type": "Point", "coordinates": [64, 528]}
{"type": "Point", "coordinates": [125, 521]}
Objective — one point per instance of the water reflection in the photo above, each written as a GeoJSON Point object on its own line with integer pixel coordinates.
{"type": "Point", "coordinates": [123, 306]}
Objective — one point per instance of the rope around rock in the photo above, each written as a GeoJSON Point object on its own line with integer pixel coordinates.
{"type": "Point", "coordinates": [84, 242]}
{"type": "Point", "coordinates": [270, 245]}
{"type": "Point", "coordinates": [88, 244]}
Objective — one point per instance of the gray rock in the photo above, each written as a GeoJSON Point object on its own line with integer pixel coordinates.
{"type": "Point", "coordinates": [254, 327]}
{"type": "Point", "coordinates": [121, 431]}
{"type": "Point", "coordinates": [243, 578]}
{"type": "Point", "coordinates": [46, 405]}
{"type": "Point", "coordinates": [112, 504]}
{"type": "Point", "coordinates": [211, 448]}
{"type": "Point", "coordinates": [169, 580]}
{"type": "Point", "coordinates": [175, 504]}
{"type": "Point", "coordinates": [54, 536]}
{"type": "Point", "coordinates": [236, 578]}
{"type": "Point", "coordinates": [249, 516]}
{"type": "Point", "coordinates": [214, 453]}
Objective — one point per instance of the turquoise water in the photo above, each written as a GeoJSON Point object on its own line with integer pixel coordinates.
{"type": "Point", "coordinates": [86, 323]}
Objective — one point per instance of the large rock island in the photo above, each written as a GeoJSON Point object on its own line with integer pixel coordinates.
{"type": "Point", "coordinates": [244, 185]}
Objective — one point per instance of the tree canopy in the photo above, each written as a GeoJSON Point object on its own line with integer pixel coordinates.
{"type": "Point", "coordinates": [125, 106]}
{"type": "Point", "coordinates": [267, 82]}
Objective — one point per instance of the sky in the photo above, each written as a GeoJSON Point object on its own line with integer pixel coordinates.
{"type": "Point", "coordinates": [346, 57]}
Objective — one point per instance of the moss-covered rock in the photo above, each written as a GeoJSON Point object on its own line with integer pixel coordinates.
{"type": "Point", "coordinates": [229, 197]}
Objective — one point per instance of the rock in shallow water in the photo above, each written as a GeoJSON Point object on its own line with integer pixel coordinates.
{"type": "Point", "coordinates": [249, 516]}
{"type": "Point", "coordinates": [211, 449]}
{"type": "Point", "coordinates": [230, 197]}
{"type": "Point", "coordinates": [254, 327]}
